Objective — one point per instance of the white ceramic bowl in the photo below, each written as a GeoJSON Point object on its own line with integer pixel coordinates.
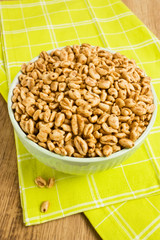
{"type": "Point", "coordinates": [72, 165]}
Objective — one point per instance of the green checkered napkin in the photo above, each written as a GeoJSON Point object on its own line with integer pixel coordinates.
{"type": "Point", "coordinates": [30, 27]}
{"type": "Point", "coordinates": [3, 79]}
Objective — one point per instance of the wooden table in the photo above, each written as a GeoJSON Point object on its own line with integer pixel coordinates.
{"type": "Point", "coordinates": [75, 227]}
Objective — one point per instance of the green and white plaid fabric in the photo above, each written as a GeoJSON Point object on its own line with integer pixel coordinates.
{"type": "Point", "coordinates": [132, 220]}
{"type": "Point", "coordinates": [3, 79]}
{"type": "Point", "coordinates": [28, 27]}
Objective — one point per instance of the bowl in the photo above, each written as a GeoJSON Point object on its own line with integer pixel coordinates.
{"type": "Point", "coordinates": [73, 165]}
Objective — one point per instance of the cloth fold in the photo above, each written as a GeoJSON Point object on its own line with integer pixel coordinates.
{"type": "Point", "coordinates": [30, 27]}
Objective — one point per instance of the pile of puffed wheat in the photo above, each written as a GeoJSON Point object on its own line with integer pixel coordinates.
{"type": "Point", "coordinates": [83, 101]}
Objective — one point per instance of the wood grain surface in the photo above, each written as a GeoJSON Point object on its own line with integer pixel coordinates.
{"type": "Point", "coordinates": [75, 227]}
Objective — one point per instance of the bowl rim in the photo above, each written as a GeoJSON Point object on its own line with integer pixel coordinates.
{"type": "Point", "coordinates": [67, 158]}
